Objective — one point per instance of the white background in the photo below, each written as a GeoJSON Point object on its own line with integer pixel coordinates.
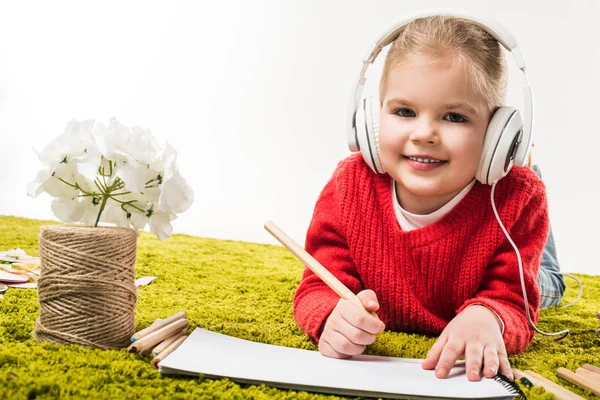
{"type": "Point", "coordinates": [253, 95]}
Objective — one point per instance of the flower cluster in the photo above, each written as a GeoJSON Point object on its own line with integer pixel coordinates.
{"type": "Point", "coordinates": [598, 328]}
{"type": "Point", "coordinates": [115, 174]}
{"type": "Point", "coordinates": [16, 253]}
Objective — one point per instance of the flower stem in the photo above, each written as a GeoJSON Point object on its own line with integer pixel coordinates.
{"type": "Point", "coordinates": [128, 203]}
{"type": "Point", "coordinates": [67, 183]}
{"type": "Point", "coordinates": [104, 200]}
{"type": "Point", "coordinates": [101, 188]}
{"type": "Point", "coordinates": [106, 191]}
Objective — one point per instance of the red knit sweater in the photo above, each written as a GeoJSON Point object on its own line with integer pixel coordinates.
{"type": "Point", "coordinates": [425, 277]}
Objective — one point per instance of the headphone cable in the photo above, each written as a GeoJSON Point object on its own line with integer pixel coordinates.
{"type": "Point", "coordinates": [564, 332]}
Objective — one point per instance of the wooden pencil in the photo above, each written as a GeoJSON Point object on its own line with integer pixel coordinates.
{"type": "Point", "coordinates": [589, 375]}
{"type": "Point", "coordinates": [165, 343]}
{"type": "Point", "coordinates": [592, 368]}
{"type": "Point", "coordinates": [158, 336]}
{"type": "Point", "coordinates": [155, 327]}
{"type": "Point", "coordinates": [316, 267]}
{"type": "Point", "coordinates": [537, 380]}
{"type": "Point", "coordinates": [578, 380]}
{"type": "Point", "coordinates": [156, 322]}
{"type": "Point", "coordinates": [167, 351]}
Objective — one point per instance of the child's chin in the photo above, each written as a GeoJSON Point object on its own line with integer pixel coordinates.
{"type": "Point", "coordinates": [423, 187]}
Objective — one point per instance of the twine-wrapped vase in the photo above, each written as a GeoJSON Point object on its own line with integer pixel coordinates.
{"type": "Point", "coordinates": [86, 289]}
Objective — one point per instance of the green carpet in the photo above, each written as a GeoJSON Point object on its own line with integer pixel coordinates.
{"type": "Point", "coordinates": [239, 289]}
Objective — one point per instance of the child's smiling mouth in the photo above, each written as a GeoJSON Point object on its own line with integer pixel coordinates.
{"type": "Point", "coordinates": [422, 162]}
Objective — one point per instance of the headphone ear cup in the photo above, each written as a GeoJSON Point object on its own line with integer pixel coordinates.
{"type": "Point", "coordinates": [502, 138]}
{"type": "Point", "coordinates": [362, 136]}
{"type": "Point", "coordinates": [372, 111]}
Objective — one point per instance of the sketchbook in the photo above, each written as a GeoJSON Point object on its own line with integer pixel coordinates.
{"type": "Point", "coordinates": [215, 355]}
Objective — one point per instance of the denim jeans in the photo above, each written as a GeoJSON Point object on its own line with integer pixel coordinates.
{"type": "Point", "coordinates": [552, 286]}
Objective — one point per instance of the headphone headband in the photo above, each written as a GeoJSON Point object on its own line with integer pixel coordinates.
{"type": "Point", "coordinates": [505, 38]}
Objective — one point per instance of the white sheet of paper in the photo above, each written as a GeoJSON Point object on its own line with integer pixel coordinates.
{"type": "Point", "coordinates": [216, 355]}
{"type": "Point", "coordinates": [144, 280]}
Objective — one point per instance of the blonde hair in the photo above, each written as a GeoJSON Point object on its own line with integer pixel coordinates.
{"type": "Point", "coordinates": [461, 41]}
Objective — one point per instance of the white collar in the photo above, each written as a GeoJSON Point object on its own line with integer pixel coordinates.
{"type": "Point", "coordinates": [409, 221]}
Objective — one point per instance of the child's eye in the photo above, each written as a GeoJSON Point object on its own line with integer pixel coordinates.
{"type": "Point", "coordinates": [455, 118]}
{"type": "Point", "coordinates": [405, 112]}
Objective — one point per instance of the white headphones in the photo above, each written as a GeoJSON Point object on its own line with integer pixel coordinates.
{"type": "Point", "coordinates": [507, 139]}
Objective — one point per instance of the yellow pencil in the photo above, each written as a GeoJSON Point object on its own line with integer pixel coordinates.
{"type": "Point", "coordinates": [316, 267]}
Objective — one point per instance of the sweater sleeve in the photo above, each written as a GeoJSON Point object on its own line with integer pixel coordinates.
{"type": "Point", "coordinates": [501, 288]}
{"type": "Point", "coordinates": [326, 242]}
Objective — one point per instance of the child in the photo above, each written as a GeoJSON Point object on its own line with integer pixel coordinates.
{"type": "Point", "coordinates": [420, 244]}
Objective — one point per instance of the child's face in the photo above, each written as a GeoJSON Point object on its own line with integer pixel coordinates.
{"type": "Point", "coordinates": [430, 112]}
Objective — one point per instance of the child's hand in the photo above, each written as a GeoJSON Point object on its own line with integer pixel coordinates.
{"type": "Point", "coordinates": [348, 329]}
{"type": "Point", "coordinates": [474, 334]}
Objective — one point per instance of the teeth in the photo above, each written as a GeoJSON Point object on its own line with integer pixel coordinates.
{"type": "Point", "coordinates": [423, 160]}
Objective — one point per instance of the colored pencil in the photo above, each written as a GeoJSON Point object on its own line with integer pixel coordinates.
{"type": "Point", "coordinates": [158, 336]}
{"type": "Point", "coordinates": [560, 392]}
{"type": "Point", "coordinates": [578, 380]}
{"type": "Point", "coordinates": [154, 327]}
{"type": "Point", "coordinates": [167, 351]}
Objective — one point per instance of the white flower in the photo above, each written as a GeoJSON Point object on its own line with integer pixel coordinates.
{"type": "Point", "coordinates": [36, 187]}
{"type": "Point", "coordinates": [137, 210]}
{"type": "Point", "coordinates": [76, 147]}
{"type": "Point", "coordinates": [85, 153]}
{"type": "Point", "coordinates": [57, 188]}
{"type": "Point", "coordinates": [136, 142]}
{"type": "Point", "coordinates": [132, 173]}
{"type": "Point", "coordinates": [90, 207]}
{"type": "Point", "coordinates": [138, 219]}
{"type": "Point", "coordinates": [176, 196]}
{"type": "Point", "coordinates": [152, 194]}
{"type": "Point", "coordinates": [62, 182]}
{"type": "Point", "coordinates": [16, 253]}
{"type": "Point", "coordinates": [67, 210]}
{"type": "Point", "coordinates": [115, 214]}
{"type": "Point", "coordinates": [116, 175]}
{"type": "Point", "coordinates": [133, 150]}
{"type": "Point", "coordinates": [160, 224]}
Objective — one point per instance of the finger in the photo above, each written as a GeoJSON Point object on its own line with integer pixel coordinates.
{"type": "Point", "coordinates": [491, 362]}
{"type": "Point", "coordinates": [368, 298]}
{"type": "Point", "coordinates": [355, 335]}
{"type": "Point", "coordinates": [360, 319]}
{"type": "Point", "coordinates": [342, 345]}
{"type": "Point", "coordinates": [451, 352]}
{"type": "Point", "coordinates": [505, 368]}
{"type": "Point", "coordinates": [434, 353]}
{"type": "Point", "coordinates": [474, 359]}
{"type": "Point", "coordinates": [328, 351]}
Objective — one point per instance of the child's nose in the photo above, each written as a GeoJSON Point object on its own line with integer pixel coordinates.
{"type": "Point", "coordinates": [425, 132]}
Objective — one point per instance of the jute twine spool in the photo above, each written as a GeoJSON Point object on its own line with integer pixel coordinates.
{"type": "Point", "coordinates": [87, 287]}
